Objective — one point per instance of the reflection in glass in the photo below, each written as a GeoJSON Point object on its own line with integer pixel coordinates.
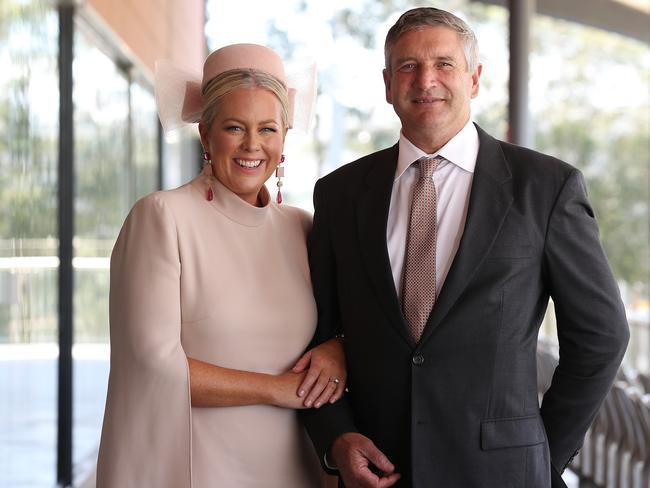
{"type": "Point", "coordinates": [181, 159]}
{"type": "Point", "coordinates": [28, 243]}
{"type": "Point", "coordinates": [101, 177]}
{"type": "Point", "coordinates": [115, 163]}
{"type": "Point", "coordinates": [145, 141]}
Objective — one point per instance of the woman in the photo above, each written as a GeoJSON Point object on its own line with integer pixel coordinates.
{"type": "Point", "coordinates": [211, 306]}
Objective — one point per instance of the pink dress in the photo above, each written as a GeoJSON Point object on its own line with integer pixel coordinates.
{"type": "Point", "coordinates": [220, 281]}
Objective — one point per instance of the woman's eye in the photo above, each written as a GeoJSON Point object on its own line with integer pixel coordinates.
{"type": "Point", "coordinates": [269, 129]}
{"type": "Point", "coordinates": [233, 128]}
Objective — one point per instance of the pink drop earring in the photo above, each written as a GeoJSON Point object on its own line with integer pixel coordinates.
{"type": "Point", "coordinates": [279, 173]}
{"type": "Point", "coordinates": [207, 171]}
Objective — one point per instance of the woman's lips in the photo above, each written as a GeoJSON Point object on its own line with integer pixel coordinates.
{"type": "Point", "coordinates": [248, 163]}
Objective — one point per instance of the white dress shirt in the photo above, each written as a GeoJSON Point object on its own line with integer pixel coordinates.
{"type": "Point", "coordinates": [453, 181]}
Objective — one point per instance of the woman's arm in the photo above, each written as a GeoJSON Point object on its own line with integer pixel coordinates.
{"type": "Point", "coordinates": [146, 436]}
{"type": "Point", "coordinates": [311, 382]}
{"type": "Point", "coordinates": [214, 386]}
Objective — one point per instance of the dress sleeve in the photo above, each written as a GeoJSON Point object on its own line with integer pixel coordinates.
{"type": "Point", "coordinates": [146, 436]}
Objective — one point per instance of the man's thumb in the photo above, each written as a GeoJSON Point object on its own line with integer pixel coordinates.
{"type": "Point", "coordinates": [379, 459]}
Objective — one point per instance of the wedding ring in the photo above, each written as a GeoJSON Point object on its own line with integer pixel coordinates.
{"type": "Point", "coordinates": [335, 380]}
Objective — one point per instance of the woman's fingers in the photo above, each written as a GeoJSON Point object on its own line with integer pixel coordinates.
{"type": "Point", "coordinates": [316, 389]}
{"type": "Point", "coordinates": [338, 393]}
{"type": "Point", "coordinates": [308, 383]}
{"type": "Point", "coordinates": [328, 393]}
{"type": "Point", "coordinates": [325, 379]}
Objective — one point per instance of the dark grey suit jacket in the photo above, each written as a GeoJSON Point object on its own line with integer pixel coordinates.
{"type": "Point", "coordinates": [460, 409]}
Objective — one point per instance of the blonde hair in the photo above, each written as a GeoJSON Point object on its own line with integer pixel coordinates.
{"type": "Point", "coordinates": [224, 83]}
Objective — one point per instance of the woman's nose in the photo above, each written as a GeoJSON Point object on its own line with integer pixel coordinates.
{"type": "Point", "coordinates": [250, 142]}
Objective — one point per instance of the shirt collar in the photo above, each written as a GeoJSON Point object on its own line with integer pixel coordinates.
{"type": "Point", "coordinates": [461, 150]}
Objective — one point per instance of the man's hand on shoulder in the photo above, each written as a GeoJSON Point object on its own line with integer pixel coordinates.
{"type": "Point", "coordinates": [361, 464]}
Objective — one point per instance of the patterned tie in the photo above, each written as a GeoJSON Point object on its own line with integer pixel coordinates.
{"type": "Point", "coordinates": [419, 285]}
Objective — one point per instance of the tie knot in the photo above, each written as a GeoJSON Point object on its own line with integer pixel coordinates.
{"type": "Point", "coordinates": [428, 166]}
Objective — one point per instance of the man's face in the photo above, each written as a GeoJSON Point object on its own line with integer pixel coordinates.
{"type": "Point", "coordinates": [429, 84]}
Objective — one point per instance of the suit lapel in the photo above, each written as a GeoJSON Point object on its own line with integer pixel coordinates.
{"type": "Point", "coordinates": [490, 199]}
{"type": "Point", "coordinates": [372, 217]}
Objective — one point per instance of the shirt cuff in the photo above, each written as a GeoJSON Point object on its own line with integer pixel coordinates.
{"type": "Point", "coordinates": [329, 464]}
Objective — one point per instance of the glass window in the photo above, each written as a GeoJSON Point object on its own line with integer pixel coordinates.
{"type": "Point", "coordinates": [116, 162]}
{"type": "Point", "coordinates": [145, 141]}
{"type": "Point", "coordinates": [181, 156]}
{"type": "Point", "coordinates": [116, 159]}
{"type": "Point", "coordinates": [28, 242]}
{"type": "Point", "coordinates": [101, 120]}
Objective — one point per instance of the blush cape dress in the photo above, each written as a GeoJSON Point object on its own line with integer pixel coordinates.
{"type": "Point", "coordinates": [223, 282]}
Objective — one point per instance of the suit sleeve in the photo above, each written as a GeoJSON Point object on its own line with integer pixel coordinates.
{"type": "Point", "coordinates": [146, 437]}
{"type": "Point", "coordinates": [591, 323]}
{"type": "Point", "coordinates": [324, 425]}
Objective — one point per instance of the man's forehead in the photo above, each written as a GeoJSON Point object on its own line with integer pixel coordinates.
{"type": "Point", "coordinates": [427, 51]}
{"type": "Point", "coordinates": [428, 39]}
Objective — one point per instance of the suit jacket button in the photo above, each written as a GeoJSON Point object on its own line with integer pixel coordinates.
{"type": "Point", "coordinates": [418, 359]}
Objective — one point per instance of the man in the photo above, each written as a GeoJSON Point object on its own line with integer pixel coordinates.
{"type": "Point", "coordinates": [435, 259]}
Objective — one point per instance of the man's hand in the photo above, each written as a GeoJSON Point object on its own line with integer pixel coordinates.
{"type": "Point", "coordinates": [361, 464]}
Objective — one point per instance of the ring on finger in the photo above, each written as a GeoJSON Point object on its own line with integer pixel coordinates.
{"type": "Point", "coordinates": [336, 381]}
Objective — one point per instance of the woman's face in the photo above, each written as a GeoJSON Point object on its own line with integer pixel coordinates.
{"type": "Point", "coordinates": [245, 140]}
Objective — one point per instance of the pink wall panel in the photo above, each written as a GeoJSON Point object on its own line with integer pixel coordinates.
{"type": "Point", "coordinates": [157, 29]}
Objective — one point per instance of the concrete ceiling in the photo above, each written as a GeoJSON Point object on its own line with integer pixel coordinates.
{"type": "Point", "coordinates": [630, 18]}
{"type": "Point", "coordinates": [642, 5]}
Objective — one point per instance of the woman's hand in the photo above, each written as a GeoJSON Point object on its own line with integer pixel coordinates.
{"type": "Point", "coordinates": [283, 390]}
{"type": "Point", "coordinates": [326, 376]}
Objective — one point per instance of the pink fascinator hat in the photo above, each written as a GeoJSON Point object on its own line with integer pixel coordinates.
{"type": "Point", "coordinates": [178, 92]}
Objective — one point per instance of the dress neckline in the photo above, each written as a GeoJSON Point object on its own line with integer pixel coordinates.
{"type": "Point", "coordinates": [232, 206]}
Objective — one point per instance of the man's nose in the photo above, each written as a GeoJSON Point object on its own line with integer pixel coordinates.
{"type": "Point", "coordinates": [426, 76]}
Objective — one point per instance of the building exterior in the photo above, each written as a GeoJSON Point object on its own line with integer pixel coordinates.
{"type": "Point", "coordinates": [79, 143]}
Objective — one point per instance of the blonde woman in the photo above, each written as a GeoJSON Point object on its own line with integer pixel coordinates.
{"type": "Point", "coordinates": [212, 309]}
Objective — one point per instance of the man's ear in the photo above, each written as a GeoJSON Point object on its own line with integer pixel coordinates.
{"type": "Point", "coordinates": [389, 96]}
{"type": "Point", "coordinates": [476, 77]}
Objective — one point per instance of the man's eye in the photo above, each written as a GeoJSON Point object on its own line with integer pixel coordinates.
{"type": "Point", "coordinates": [407, 67]}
